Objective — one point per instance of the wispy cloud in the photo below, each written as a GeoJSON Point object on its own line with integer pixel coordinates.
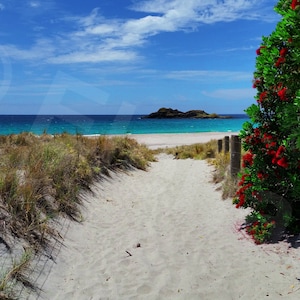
{"type": "Point", "coordinates": [34, 4]}
{"type": "Point", "coordinates": [200, 75]}
{"type": "Point", "coordinates": [94, 56]}
{"type": "Point", "coordinates": [2, 7]}
{"type": "Point", "coordinates": [97, 39]}
{"type": "Point", "coordinates": [204, 11]}
{"type": "Point", "coordinates": [41, 49]}
{"type": "Point", "coordinates": [231, 94]}
{"type": "Point", "coordinates": [212, 51]}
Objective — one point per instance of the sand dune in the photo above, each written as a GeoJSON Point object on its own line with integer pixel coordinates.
{"type": "Point", "coordinates": [167, 234]}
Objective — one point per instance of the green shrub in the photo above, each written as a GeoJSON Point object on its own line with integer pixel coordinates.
{"type": "Point", "coordinates": [270, 183]}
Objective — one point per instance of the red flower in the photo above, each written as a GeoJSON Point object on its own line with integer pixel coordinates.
{"type": "Point", "coordinates": [258, 50]}
{"type": "Point", "coordinates": [270, 145]}
{"type": "Point", "coordinates": [260, 176]}
{"type": "Point", "coordinates": [294, 4]}
{"type": "Point", "coordinates": [243, 179]}
{"type": "Point", "coordinates": [271, 152]}
{"type": "Point", "coordinates": [248, 139]}
{"type": "Point", "coordinates": [280, 61]}
{"type": "Point", "coordinates": [268, 137]}
{"type": "Point", "coordinates": [282, 94]}
{"type": "Point", "coordinates": [262, 97]}
{"type": "Point", "coordinates": [241, 201]}
{"type": "Point", "coordinates": [256, 82]}
{"type": "Point", "coordinates": [247, 159]}
{"type": "Point", "coordinates": [256, 132]}
{"type": "Point", "coordinates": [280, 150]}
{"type": "Point", "coordinates": [282, 162]}
{"type": "Point", "coordinates": [283, 52]}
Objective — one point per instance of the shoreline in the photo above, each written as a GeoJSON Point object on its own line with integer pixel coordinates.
{"type": "Point", "coordinates": [169, 140]}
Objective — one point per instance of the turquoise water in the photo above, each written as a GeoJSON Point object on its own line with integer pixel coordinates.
{"type": "Point", "coordinates": [114, 124]}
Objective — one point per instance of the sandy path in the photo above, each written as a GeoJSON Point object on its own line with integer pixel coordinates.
{"type": "Point", "coordinates": [166, 234]}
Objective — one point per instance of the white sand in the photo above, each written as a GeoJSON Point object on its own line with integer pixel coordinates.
{"type": "Point", "coordinates": [166, 234]}
{"type": "Point", "coordinates": [154, 141]}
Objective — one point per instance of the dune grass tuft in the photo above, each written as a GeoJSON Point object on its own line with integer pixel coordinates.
{"type": "Point", "coordinates": [222, 175]}
{"type": "Point", "coordinates": [194, 151]}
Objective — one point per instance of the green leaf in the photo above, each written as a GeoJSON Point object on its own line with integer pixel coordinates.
{"type": "Point", "coordinates": [253, 112]}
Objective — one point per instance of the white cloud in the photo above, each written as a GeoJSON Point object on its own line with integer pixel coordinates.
{"type": "Point", "coordinates": [97, 39]}
{"type": "Point", "coordinates": [176, 15]}
{"type": "Point", "coordinates": [90, 20]}
{"type": "Point", "coordinates": [101, 29]}
{"type": "Point", "coordinates": [41, 49]}
{"type": "Point", "coordinates": [34, 4]}
{"type": "Point", "coordinates": [94, 57]}
{"type": "Point", "coordinates": [204, 11]}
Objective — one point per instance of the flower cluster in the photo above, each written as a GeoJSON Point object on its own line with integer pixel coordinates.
{"type": "Point", "coordinates": [260, 231]}
{"type": "Point", "coordinates": [247, 159]}
{"type": "Point", "coordinates": [294, 4]}
{"type": "Point", "coordinates": [258, 51]}
{"type": "Point", "coordinates": [241, 194]}
{"type": "Point", "coordinates": [263, 95]}
{"type": "Point", "coordinates": [282, 94]}
{"type": "Point", "coordinates": [279, 158]}
{"type": "Point", "coordinates": [281, 59]}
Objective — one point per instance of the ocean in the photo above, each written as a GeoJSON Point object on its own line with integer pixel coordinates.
{"type": "Point", "coordinates": [114, 124]}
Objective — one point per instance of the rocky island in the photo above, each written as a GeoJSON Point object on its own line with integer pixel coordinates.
{"type": "Point", "coordinates": [169, 113]}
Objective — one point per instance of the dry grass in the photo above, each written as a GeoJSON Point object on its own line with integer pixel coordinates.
{"type": "Point", "coordinates": [15, 273]}
{"type": "Point", "coordinates": [222, 175]}
{"type": "Point", "coordinates": [41, 177]}
{"type": "Point", "coordinates": [195, 151]}
{"type": "Point", "coordinates": [221, 162]}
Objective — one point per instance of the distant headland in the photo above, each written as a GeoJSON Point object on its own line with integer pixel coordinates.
{"type": "Point", "coordinates": [169, 113]}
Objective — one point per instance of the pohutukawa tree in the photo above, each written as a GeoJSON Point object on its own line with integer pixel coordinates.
{"type": "Point", "coordinates": [270, 180]}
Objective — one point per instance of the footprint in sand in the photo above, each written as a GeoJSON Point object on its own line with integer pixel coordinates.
{"type": "Point", "coordinates": [144, 289]}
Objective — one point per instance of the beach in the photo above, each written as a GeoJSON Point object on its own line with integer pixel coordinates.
{"type": "Point", "coordinates": [166, 233]}
{"type": "Point", "coordinates": [154, 141]}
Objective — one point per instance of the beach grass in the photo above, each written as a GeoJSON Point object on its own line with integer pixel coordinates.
{"type": "Point", "coordinates": [15, 273]}
{"type": "Point", "coordinates": [222, 175]}
{"type": "Point", "coordinates": [41, 178]}
{"type": "Point", "coordinates": [194, 151]}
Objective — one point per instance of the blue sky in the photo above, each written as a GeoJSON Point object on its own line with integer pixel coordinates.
{"type": "Point", "coordinates": [129, 56]}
